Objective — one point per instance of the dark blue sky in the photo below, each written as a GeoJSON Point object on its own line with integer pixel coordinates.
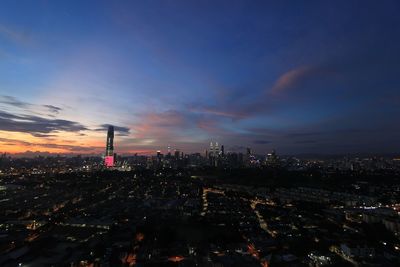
{"type": "Point", "coordinates": [297, 76]}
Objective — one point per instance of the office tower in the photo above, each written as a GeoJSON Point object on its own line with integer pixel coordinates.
{"type": "Point", "coordinates": [109, 157]}
{"type": "Point", "coordinates": [272, 159]}
{"type": "Point", "coordinates": [213, 154]}
{"type": "Point", "coordinates": [222, 150]}
{"type": "Point", "coordinates": [169, 151]}
{"type": "Point", "coordinates": [248, 151]}
{"type": "Point", "coordinates": [248, 156]}
{"type": "Point", "coordinates": [216, 149]}
{"type": "Point", "coordinates": [177, 154]}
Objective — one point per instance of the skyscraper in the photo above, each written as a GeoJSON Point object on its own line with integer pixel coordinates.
{"type": "Point", "coordinates": [213, 154]}
{"type": "Point", "coordinates": [109, 157]}
{"type": "Point", "coordinates": [169, 151]}
{"type": "Point", "coordinates": [248, 156]}
{"type": "Point", "coordinates": [272, 159]}
{"type": "Point", "coordinates": [216, 149]}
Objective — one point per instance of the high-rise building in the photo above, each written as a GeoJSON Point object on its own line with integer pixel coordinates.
{"type": "Point", "coordinates": [109, 157]}
{"type": "Point", "coordinates": [248, 156]}
{"type": "Point", "coordinates": [272, 159]}
{"type": "Point", "coordinates": [169, 151]}
{"type": "Point", "coordinates": [216, 149]}
{"type": "Point", "coordinates": [177, 152]}
{"type": "Point", "coordinates": [213, 154]}
{"type": "Point", "coordinates": [248, 151]}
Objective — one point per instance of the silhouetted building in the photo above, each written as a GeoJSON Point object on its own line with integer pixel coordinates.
{"type": "Point", "coordinates": [248, 156]}
{"type": "Point", "coordinates": [169, 151]}
{"type": "Point", "coordinates": [211, 152]}
{"type": "Point", "coordinates": [272, 159]}
{"type": "Point", "coordinates": [177, 154]}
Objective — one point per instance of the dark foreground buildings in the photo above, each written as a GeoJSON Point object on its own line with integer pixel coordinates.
{"type": "Point", "coordinates": [182, 210]}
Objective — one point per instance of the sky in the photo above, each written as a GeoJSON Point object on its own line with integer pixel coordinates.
{"type": "Point", "coordinates": [295, 76]}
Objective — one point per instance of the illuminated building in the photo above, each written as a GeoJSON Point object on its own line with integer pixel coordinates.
{"type": "Point", "coordinates": [272, 159]}
{"type": "Point", "coordinates": [109, 157]}
{"type": "Point", "coordinates": [169, 151]}
{"type": "Point", "coordinates": [213, 154]}
{"type": "Point", "coordinates": [216, 149]}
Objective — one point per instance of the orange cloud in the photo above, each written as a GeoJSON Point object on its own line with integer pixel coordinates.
{"type": "Point", "coordinates": [290, 79]}
{"type": "Point", "coordinates": [222, 113]}
{"type": "Point", "coordinates": [18, 142]}
{"type": "Point", "coordinates": [157, 125]}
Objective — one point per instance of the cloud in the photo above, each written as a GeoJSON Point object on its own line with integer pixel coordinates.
{"type": "Point", "coordinates": [43, 135]}
{"type": "Point", "coordinates": [316, 80]}
{"type": "Point", "coordinates": [122, 131]}
{"type": "Point", "coordinates": [169, 118]}
{"type": "Point", "coordinates": [12, 101]}
{"type": "Point", "coordinates": [214, 127]}
{"type": "Point", "coordinates": [217, 111]}
{"type": "Point", "coordinates": [291, 79]}
{"type": "Point", "coordinates": [160, 125]}
{"type": "Point", "coordinates": [11, 142]}
{"type": "Point", "coordinates": [33, 108]}
{"type": "Point", "coordinates": [236, 104]}
{"type": "Point", "coordinates": [155, 129]}
{"type": "Point", "coordinates": [36, 125]}
{"type": "Point", "coordinates": [53, 109]}
{"type": "Point", "coordinates": [182, 124]}
{"type": "Point", "coordinates": [70, 148]}
{"type": "Point", "coordinates": [242, 103]}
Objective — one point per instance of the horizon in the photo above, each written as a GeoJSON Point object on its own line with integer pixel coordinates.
{"type": "Point", "coordinates": [34, 154]}
{"type": "Point", "coordinates": [302, 78]}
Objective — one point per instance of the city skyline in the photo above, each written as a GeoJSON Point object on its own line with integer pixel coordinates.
{"type": "Point", "coordinates": [312, 77]}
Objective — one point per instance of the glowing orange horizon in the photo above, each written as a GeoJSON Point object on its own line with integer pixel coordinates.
{"type": "Point", "coordinates": [22, 150]}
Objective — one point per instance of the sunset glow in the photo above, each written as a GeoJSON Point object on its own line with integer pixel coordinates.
{"type": "Point", "coordinates": [183, 75]}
